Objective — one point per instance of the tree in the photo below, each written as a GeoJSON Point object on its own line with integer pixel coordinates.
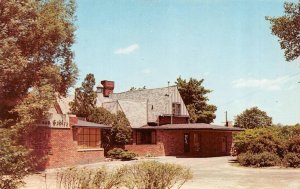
{"type": "Point", "coordinates": [35, 50]}
{"type": "Point", "coordinates": [84, 102]}
{"type": "Point", "coordinates": [253, 118]}
{"type": "Point", "coordinates": [287, 29]}
{"type": "Point", "coordinates": [194, 97]}
{"type": "Point", "coordinates": [36, 65]}
{"type": "Point", "coordinates": [120, 132]}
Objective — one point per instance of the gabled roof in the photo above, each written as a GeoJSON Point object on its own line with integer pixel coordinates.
{"type": "Point", "coordinates": [158, 101]}
{"type": "Point", "coordinates": [63, 103]}
{"type": "Point", "coordinates": [136, 112]}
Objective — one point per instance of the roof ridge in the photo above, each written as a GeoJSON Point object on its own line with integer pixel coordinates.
{"type": "Point", "coordinates": [138, 90]}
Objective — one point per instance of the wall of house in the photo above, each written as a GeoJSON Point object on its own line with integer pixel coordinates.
{"type": "Point", "coordinates": [171, 143]}
{"type": "Point", "coordinates": [57, 147]}
{"type": "Point", "coordinates": [175, 120]}
{"type": "Point", "coordinates": [146, 149]}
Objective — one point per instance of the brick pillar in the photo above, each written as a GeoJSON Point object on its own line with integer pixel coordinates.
{"type": "Point", "coordinates": [73, 120]}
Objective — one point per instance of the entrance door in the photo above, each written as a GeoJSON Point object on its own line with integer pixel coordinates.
{"type": "Point", "coordinates": [186, 142]}
{"type": "Point", "coordinates": [197, 144]}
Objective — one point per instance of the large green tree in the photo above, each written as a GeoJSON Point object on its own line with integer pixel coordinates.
{"type": "Point", "coordinates": [194, 97]}
{"type": "Point", "coordinates": [84, 102]}
{"type": "Point", "coordinates": [252, 118]}
{"type": "Point", "coordinates": [36, 65]}
{"type": "Point", "coordinates": [35, 51]}
{"type": "Point", "coordinates": [287, 29]}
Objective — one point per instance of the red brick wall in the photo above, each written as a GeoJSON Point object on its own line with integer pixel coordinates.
{"type": "Point", "coordinates": [146, 149]}
{"type": "Point", "coordinates": [163, 120]}
{"type": "Point", "coordinates": [58, 148]}
{"type": "Point", "coordinates": [170, 142]}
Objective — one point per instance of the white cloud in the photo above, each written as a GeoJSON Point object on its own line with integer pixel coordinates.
{"type": "Point", "coordinates": [128, 50]}
{"type": "Point", "coordinates": [146, 71]}
{"type": "Point", "coordinates": [267, 84]}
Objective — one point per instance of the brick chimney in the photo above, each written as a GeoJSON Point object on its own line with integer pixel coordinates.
{"type": "Point", "coordinates": [108, 87]}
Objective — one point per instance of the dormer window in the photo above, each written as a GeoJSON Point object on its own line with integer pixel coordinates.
{"type": "Point", "coordinates": [176, 108]}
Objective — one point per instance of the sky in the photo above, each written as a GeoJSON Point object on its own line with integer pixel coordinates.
{"type": "Point", "coordinates": [228, 43]}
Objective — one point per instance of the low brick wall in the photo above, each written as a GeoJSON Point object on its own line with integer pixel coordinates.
{"type": "Point", "coordinates": [57, 148]}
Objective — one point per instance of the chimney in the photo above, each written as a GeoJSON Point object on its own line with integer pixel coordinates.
{"type": "Point", "coordinates": [108, 87]}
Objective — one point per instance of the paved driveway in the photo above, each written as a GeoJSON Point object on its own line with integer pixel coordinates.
{"type": "Point", "coordinates": [209, 173]}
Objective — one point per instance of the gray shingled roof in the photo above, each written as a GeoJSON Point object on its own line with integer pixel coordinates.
{"type": "Point", "coordinates": [159, 100]}
{"type": "Point", "coordinates": [194, 126]}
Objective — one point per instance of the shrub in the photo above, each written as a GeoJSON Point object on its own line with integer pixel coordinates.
{"type": "Point", "coordinates": [293, 145]}
{"type": "Point", "coordinates": [126, 155]}
{"type": "Point", "coordinates": [119, 153]}
{"type": "Point", "coordinates": [292, 160]}
{"type": "Point", "coordinates": [82, 178]}
{"type": "Point", "coordinates": [264, 159]}
{"type": "Point", "coordinates": [146, 175]}
{"type": "Point", "coordinates": [154, 175]}
{"type": "Point", "coordinates": [258, 141]}
{"type": "Point", "coordinates": [115, 153]}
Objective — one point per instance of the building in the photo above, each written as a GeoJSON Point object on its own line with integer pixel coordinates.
{"type": "Point", "coordinates": [160, 123]}
{"type": "Point", "coordinates": [159, 120]}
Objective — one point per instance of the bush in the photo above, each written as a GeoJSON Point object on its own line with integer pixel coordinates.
{"type": "Point", "coordinates": [293, 145]}
{"type": "Point", "coordinates": [126, 155]}
{"type": "Point", "coordinates": [292, 160]}
{"type": "Point", "coordinates": [115, 153]}
{"type": "Point", "coordinates": [146, 175]}
{"type": "Point", "coordinates": [258, 141]}
{"type": "Point", "coordinates": [264, 159]}
{"type": "Point", "coordinates": [154, 175]}
{"type": "Point", "coordinates": [83, 178]}
{"type": "Point", "coordinates": [119, 153]}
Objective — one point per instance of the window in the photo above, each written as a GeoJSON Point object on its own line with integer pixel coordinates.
{"type": "Point", "coordinates": [88, 138]}
{"type": "Point", "coordinates": [176, 109]}
{"type": "Point", "coordinates": [146, 137]}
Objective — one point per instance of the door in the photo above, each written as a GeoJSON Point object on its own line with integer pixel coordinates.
{"type": "Point", "coordinates": [197, 143]}
{"type": "Point", "coordinates": [186, 142]}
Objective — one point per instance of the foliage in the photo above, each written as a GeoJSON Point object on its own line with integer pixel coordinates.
{"type": "Point", "coordinates": [34, 53]}
{"type": "Point", "coordinates": [102, 116]}
{"type": "Point", "coordinates": [36, 64]}
{"type": "Point", "coordinates": [258, 141]}
{"type": "Point", "coordinates": [292, 160]}
{"type": "Point", "coordinates": [153, 175]}
{"type": "Point", "coordinates": [194, 97]}
{"type": "Point", "coordinates": [262, 159]}
{"type": "Point", "coordinates": [82, 178]}
{"type": "Point", "coordinates": [15, 160]}
{"type": "Point", "coordinates": [145, 175]}
{"type": "Point", "coordinates": [121, 131]}
{"type": "Point", "coordinates": [84, 102]}
{"type": "Point", "coordinates": [253, 118]}
{"type": "Point", "coordinates": [119, 153]}
{"type": "Point", "coordinates": [287, 29]}
{"type": "Point", "coordinates": [282, 142]}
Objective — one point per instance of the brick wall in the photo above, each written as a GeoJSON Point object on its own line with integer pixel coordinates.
{"type": "Point", "coordinates": [175, 120]}
{"type": "Point", "coordinates": [171, 143]}
{"type": "Point", "coordinates": [57, 147]}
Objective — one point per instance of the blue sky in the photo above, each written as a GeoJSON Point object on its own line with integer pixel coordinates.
{"type": "Point", "coordinates": [227, 43]}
